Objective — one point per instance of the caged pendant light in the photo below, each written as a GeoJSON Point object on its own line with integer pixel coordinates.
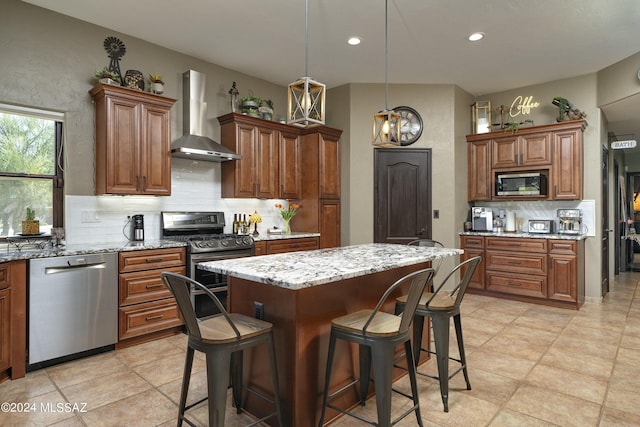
{"type": "Point", "coordinates": [306, 97]}
{"type": "Point", "coordinates": [386, 123]}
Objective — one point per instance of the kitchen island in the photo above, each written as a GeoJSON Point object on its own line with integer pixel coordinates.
{"type": "Point", "coordinates": [301, 292]}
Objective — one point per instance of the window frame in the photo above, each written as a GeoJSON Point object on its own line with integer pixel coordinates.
{"type": "Point", "coordinates": [57, 179]}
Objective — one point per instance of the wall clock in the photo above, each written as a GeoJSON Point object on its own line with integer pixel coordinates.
{"type": "Point", "coordinates": [410, 125]}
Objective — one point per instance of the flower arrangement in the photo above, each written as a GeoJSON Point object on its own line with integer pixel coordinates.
{"type": "Point", "coordinates": [289, 212]}
{"type": "Point", "coordinates": [155, 78]}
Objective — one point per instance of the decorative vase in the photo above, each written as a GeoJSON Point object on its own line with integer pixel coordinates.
{"type": "Point", "coordinates": [158, 88]}
{"type": "Point", "coordinates": [31, 226]}
{"type": "Point", "coordinates": [287, 227]}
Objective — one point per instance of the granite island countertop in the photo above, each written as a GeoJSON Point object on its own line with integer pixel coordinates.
{"type": "Point", "coordinates": [298, 270]}
{"type": "Point", "coordinates": [524, 235]}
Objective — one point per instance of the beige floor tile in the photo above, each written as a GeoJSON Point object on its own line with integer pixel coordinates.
{"type": "Point", "coordinates": [494, 316]}
{"type": "Point", "coordinates": [487, 386]}
{"type": "Point", "coordinates": [464, 409]}
{"type": "Point", "coordinates": [554, 407]}
{"type": "Point", "coordinates": [596, 335]}
{"type": "Point", "coordinates": [628, 356]}
{"type": "Point", "coordinates": [630, 341]}
{"type": "Point", "coordinates": [104, 390]}
{"type": "Point", "coordinates": [624, 397]}
{"type": "Point", "coordinates": [500, 364]}
{"type": "Point", "coordinates": [507, 418]}
{"type": "Point", "coordinates": [579, 362]}
{"type": "Point", "coordinates": [585, 346]}
{"type": "Point", "coordinates": [197, 388]}
{"type": "Point", "coordinates": [20, 390]}
{"type": "Point", "coordinates": [43, 410]}
{"type": "Point", "coordinates": [624, 373]}
{"type": "Point", "coordinates": [168, 369]}
{"type": "Point", "coordinates": [147, 352]}
{"type": "Point", "coordinates": [86, 369]}
{"type": "Point", "coordinates": [573, 383]}
{"type": "Point", "coordinates": [616, 418]}
{"type": "Point", "coordinates": [148, 408]}
{"type": "Point", "coordinates": [516, 347]}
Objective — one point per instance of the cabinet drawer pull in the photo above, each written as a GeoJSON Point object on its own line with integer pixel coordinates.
{"type": "Point", "coordinates": [159, 316]}
{"type": "Point", "coordinates": [157, 285]}
{"type": "Point", "coordinates": [515, 284]}
{"type": "Point", "coordinates": [155, 260]}
{"type": "Point", "coordinates": [513, 262]}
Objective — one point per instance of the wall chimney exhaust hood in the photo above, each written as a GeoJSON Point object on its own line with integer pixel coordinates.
{"type": "Point", "coordinates": [193, 144]}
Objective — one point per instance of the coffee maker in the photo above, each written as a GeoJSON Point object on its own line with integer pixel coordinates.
{"type": "Point", "coordinates": [481, 219]}
{"type": "Point", "coordinates": [570, 221]}
{"type": "Point", "coordinates": [137, 228]}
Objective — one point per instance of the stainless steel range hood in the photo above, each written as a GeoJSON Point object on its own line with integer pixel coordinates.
{"type": "Point", "coordinates": [193, 144]}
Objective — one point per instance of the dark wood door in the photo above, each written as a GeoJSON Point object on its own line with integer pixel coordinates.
{"type": "Point", "coordinates": [402, 195]}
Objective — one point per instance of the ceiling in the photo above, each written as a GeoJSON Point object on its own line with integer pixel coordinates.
{"type": "Point", "coordinates": [527, 42]}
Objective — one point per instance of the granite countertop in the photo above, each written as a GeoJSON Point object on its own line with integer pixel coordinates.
{"type": "Point", "coordinates": [88, 248]}
{"type": "Point", "coordinates": [525, 235]}
{"type": "Point", "coordinates": [272, 236]}
{"type": "Point", "coordinates": [298, 270]}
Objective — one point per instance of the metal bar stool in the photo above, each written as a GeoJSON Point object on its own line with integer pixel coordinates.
{"type": "Point", "coordinates": [222, 339]}
{"type": "Point", "coordinates": [378, 334]}
{"type": "Point", "coordinates": [440, 306]}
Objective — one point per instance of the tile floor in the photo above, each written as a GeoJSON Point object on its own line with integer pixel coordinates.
{"type": "Point", "coordinates": [529, 365]}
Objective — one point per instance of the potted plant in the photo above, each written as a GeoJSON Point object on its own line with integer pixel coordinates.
{"type": "Point", "coordinates": [157, 84]}
{"type": "Point", "coordinates": [266, 109]}
{"type": "Point", "coordinates": [250, 105]}
{"type": "Point", "coordinates": [105, 76]}
{"type": "Point", "coordinates": [30, 225]}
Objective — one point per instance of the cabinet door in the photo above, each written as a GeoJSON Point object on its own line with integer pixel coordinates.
{"type": "Point", "coordinates": [567, 169]}
{"type": "Point", "coordinates": [504, 152]}
{"type": "Point", "coordinates": [329, 168]}
{"type": "Point", "coordinates": [329, 223]}
{"type": "Point", "coordinates": [155, 151]}
{"type": "Point", "coordinates": [290, 161]}
{"type": "Point", "coordinates": [5, 329]}
{"type": "Point", "coordinates": [123, 174]}
{"type": "Point", "coordinates": [563, 278]}
{"type": "Point", "coordinates": [535, 149]}
{"type": "Point", "coordinates": [245, 167]}
{"type": "Point", "coordinates": [267, 163]}
{"type": "Point", "coordinates": [479, 171]}
{"type": "Point", "coordinates": [477, 280]}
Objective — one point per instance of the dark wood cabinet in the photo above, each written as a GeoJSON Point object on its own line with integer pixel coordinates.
{"type": "Point", "coordinates": [146, 307]}
{"type": "Point", "coordinates": [132, 141]}
{"type": "Point", "coordinates": [291, 245]}
{"type": "Point", "coordinates": [538, 270]}
{"type": "Point", "coordinates": [13, 318]}
{"type": "Point", "coordinates": [270, 163]}
{"type": "Point", "coordinates": [554, 150]}
{"type": "Point", "coordinates": [479, 171]}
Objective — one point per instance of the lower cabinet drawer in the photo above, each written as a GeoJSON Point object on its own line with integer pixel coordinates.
{"type": "Point", "coordinates": [143, 286]}
{"type": "Point", "coordinates": [533, 286]}
{"type": "Point", "coordinates": [291, 245]}
{"type": "Point", "coordinates": [141, 319]}
{"type": "Point", "coordinates": [514, 262]}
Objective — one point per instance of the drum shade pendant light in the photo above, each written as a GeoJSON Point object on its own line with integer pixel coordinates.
{"type": "Point", "coordinates": [305, 104]}
{"type": "Point", "coordinates": [386, 123]}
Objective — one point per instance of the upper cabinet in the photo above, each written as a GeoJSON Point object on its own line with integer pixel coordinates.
{"type": "Point", "coordinates": [554, 150]}
{"type": "Point", "coordinates": [269, 167]}
{"type": "Point", "coordinates": [133, 141]}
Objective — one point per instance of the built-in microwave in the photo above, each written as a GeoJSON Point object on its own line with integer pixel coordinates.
{"type": "Point", "coordinates": [521, 184]}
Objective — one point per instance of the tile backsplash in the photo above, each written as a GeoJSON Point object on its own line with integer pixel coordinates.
{"type": "Point", "coordinates": [548, 210]}
{"type": "Point", "coordinates": [195, 186]}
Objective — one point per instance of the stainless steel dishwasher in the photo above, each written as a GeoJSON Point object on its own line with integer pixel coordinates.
{"type": "Point", "coordinates": [73, 307]}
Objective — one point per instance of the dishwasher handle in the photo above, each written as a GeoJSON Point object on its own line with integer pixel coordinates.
{"type": "Point", "coordinates": [74, 265]}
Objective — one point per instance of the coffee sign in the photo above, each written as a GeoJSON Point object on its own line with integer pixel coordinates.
{"type": "Point", "coordinates": [522, 106]}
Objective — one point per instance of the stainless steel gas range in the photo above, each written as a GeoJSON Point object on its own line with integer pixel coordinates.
{"type": "Point", "coordinates": [203, 233]}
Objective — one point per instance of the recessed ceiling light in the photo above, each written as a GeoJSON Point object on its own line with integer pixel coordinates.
{"type": "Point", "coordinates": [354, 41]}
{"type": "Point", "coordinates": [476, 36]}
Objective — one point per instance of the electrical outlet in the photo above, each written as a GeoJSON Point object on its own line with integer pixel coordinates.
{"type": "Point", "coordinates": [436, 213]}
{"type": "Point", "coordinates": [258, 310]}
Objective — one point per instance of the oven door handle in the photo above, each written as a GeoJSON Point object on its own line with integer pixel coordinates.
{"type": "Point", "coordinates": [214, 289]}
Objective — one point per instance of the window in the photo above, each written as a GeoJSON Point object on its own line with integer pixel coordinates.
{"type": "Point", "coordinates": [31, 168]}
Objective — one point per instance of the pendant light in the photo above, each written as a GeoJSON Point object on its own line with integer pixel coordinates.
{"type": "Point", "coordinates": [386, 123]}
{"type": "Point", "coordinates": [305, 104]}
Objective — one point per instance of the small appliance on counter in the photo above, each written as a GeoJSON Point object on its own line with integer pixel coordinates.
{"type": "Point", "coordinates": [137, 228]}
{"type": "Point", "coordinates": [481, 219]}
{"type": "Point", "coordinates": [541, 226]}
{"type": "Point", "coordinates": [570, 221]}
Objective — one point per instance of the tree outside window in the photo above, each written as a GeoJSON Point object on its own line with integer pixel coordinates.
{"type": "Point", "coordinates": [30, 168]}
